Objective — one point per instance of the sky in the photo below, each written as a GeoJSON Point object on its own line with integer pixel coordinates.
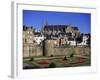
{"type": "Point", "coordinates": [37, 19]}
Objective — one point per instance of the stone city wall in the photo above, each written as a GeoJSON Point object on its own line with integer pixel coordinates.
{"type": "Point", "coordinates": [50, 49]}
{"type": "Point", "coordinates": [30, 51]}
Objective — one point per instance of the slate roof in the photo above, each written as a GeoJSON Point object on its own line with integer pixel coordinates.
{"type": "Point", "coordinates": [55, 26]}
{"type": "Point", "coordinates": [26, 27]}
{"type": "Point", "coordinates": [68, 34]}
{"type": "Point", "coordinates": [75, 28]}
{"type": "Point", "coordinates": [58, 27]}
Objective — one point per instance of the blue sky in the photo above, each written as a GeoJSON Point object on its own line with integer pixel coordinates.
{"type": "Point", "coordinates": [37, 19]}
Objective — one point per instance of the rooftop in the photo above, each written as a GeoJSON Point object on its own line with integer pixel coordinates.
{"type": "Point", "coordinates": [55, 26]}
{"type": "Point", "coordinates": [59, 26]}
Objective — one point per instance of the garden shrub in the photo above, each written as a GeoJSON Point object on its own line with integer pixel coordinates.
{"type": "Point", "coordinates": [31, 59]}
{"type": "Point", "coordinates": [52, 65]}
{"type": "Point", "coordinates": [65, 58]}
{"type": "Point", "coordinates": [51, 55]}
{"type": "Point", "coordinates": [71, 55]}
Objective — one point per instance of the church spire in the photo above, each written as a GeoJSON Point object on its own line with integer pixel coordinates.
{"type": "Point", "coordinates": [46, 22]}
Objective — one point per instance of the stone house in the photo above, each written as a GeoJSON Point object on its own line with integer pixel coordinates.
{"type": "Point", "coordinates": [85, 40]}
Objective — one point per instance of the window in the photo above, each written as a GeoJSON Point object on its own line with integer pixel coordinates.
{"type": "Point", "coordinates": [25, 41]}
{"type": "Point", "coordinates": [63, 29]}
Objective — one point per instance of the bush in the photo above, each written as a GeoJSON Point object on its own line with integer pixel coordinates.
{"type": "Point", "coordinates": [51, 55]}
{"type": "Point", "coordinates": [31, 59]}
{"type": "Point", "coordinates": [52, 65]}
{"type": "Point", "coordinates": [72, 54]}
{"type": "Point", "coordinates": [65, 58]}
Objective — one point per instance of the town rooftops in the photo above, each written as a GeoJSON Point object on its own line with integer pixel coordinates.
{"type": "Point", "coordinates": [85, 34]}
{"type": "Point", "coordinates": [68, 34]}
{"type": "Point", "coordinates": [55, 26]}
{"type": "Point", "coordinates": [37, 33]}
{"type": "Point", "coordinates": [75, 28]}
{"type": "Point", "coordinates": [59, 27]}
{"type": "Point", "coordinates": [26, 27]}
